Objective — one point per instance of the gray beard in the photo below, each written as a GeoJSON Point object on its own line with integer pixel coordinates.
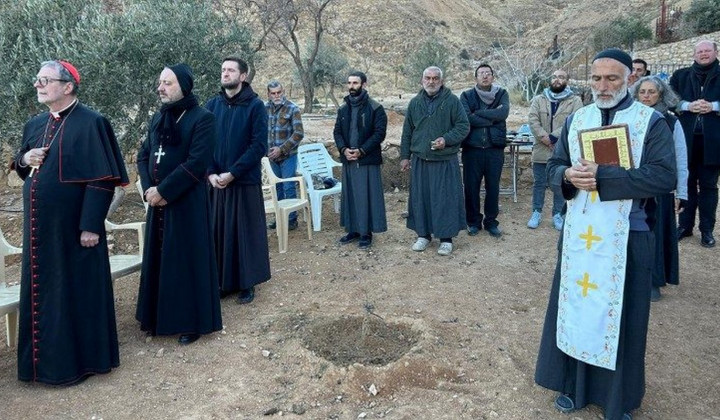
{"type": "Point", "coordinates": [609, 103]}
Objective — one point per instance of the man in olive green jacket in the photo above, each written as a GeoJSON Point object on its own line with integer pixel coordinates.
{"type": "Point", "coordinates": [435, 125]}
{"type": "Point", "coordinates": [548, 112]}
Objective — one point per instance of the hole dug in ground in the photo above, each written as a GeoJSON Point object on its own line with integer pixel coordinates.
{"type": "Point", "coordinates": [365, 340]}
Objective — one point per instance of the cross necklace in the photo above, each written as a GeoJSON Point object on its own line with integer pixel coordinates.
{"type": "Point", "coordinates": [44, 137]}
{"type": "Point", "coordinates": [160, 152]}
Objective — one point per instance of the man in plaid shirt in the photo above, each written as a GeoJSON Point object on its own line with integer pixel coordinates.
{"type": "Point", "coordinates": [285, 132]}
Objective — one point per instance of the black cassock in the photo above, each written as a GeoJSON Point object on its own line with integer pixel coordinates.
{"type": "Point", "coordinates": [67, 313]}
{"type": "Point", "coordinates": [238, 210]}
{"type": "Point", "coordinates": [179, 284]}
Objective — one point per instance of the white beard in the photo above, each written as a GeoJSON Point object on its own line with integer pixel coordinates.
{"type": "Point", "coordinates": [609, 103]}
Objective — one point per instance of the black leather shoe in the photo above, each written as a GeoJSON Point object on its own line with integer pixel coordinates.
{"type": "Point", "coordinates": [246, 295]}
{"type": "Point", "coordinates": [473, 230]}
{"type": "Point", "coordinates": [494, 231]}
{"type": "Point", "coordinates": [365, 242]}
{"type": "Point", "coordinates": [186, 339]}
{"type": "Point", "coordinates": [707, 240]}
{"type": "Point", "coordinates": [683, 233]}
{"type": "Point", "coordinates": [350, 237]}
{"type": "Point", "coordinates": [272, 225]}
{"type": "Point", "coordinates": [292, 225]}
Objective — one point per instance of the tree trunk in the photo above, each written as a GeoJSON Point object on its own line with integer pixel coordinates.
{"type": "Point", "coordinates": [332, 96]}
{"type": "Point", "coordinates": [308, 90]}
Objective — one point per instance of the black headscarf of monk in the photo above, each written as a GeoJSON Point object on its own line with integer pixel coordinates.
{"type": "Point", "coordinates": [171, 113]}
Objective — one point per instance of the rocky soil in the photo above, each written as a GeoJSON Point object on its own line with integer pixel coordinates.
{"type": "Point", "coordinates": [340, 333]}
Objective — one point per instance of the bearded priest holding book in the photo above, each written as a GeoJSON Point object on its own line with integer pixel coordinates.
{"type": "Point", "coordinates": [592, 349]}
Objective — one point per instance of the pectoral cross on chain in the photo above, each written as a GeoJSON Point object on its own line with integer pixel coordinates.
{"type": "Point", "coordinates": [159, 154]}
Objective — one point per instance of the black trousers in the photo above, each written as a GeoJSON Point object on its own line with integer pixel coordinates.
{"type": "Point", "coordinates": [702, 191]}
{"type": "Point", "coordinates": [479, 164]}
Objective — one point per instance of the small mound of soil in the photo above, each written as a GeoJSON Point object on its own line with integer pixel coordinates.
{"type": "Point", "coordinates": [364, 340]}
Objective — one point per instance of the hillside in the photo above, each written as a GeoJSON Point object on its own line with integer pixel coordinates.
{"type": "Point", "coordinates": [377, 35]}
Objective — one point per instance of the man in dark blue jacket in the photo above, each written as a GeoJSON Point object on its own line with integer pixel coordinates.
{"type": "Point", "coordinates": [359, 130]}
{"type": "Point", "coordinates": [699, 113]}
{"type": "Point", "coordinates": [483, 150]}
{"type": "Point", "coordinates": [238, 207]}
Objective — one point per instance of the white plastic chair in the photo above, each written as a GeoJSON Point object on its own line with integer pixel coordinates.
{"type": "Point", "coordinates": [283, 208]}
{"type": "Point", "coordinates": [123, 264]}
{"type": "Point", "coordinates": [9, 295]}
{"type": "Point", "coordinates": [315, 159]}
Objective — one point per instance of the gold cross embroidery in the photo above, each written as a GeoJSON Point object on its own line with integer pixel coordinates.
{"type": "Point", "coordinates": [588, 237]}
{"type": "Point", "coordinates": [585, 284]}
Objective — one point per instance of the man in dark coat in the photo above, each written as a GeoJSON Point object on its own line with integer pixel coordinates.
{"type": "Point", "coordinates": [71, 163]}
{"type": "Point", "coordinates": [237, 200]}
{"type": "Point", "coordinates": [483, 151]}
{"type": "Point", "coordinates": [178, 284]}
{"type": "Point", "coordinates": [359, 130]}
{"type": "Point", "coordinates": [699, 113]}
{"type": "Point", "coordinates": [609, 201]}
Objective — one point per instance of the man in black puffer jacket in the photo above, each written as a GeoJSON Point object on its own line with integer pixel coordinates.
{"type": "Point", "coordinates": [483, 150]}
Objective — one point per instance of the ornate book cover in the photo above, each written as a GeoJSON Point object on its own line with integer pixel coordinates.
{"type": "Point", "coordinates": [608, 145]}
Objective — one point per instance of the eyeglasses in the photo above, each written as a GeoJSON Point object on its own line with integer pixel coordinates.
{"type": "Point", "coordinates": [484, 73]}
{"type": "Point", "coordinates": [44, 81]}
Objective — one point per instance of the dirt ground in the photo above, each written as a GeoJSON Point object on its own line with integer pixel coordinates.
{"type": "Point", "coordinates": [441, 337]}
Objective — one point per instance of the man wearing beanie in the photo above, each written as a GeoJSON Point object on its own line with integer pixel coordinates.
{"type": "Point", "coordinates": [592, 349]}
{"type": "Point", "coordinates": [178, 285]}
{"type": "Point", "coordinates": [71, 164]}
{"type": "Point", "coordinates": [238, 207]}
{"type": "Point", "coordinates": [699, 113]}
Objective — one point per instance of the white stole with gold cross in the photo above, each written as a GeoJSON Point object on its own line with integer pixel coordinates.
{"type": "Point", "coordinates": [594, 252]}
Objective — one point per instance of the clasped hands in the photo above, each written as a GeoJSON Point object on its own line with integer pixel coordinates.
{"type": "Point", "coordinates": [221, 181]}
{"type": "Point", "coordinates": [153, 197]}
{"type": "Point", "coordinates": [351, 154]}
{"type": "Point", "coordinates": [701, 106]}
{"type": "Point", "coordinates": [582, 176]}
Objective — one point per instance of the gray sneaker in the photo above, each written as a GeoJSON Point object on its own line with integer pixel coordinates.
{"type": "Point", "coordinates": [558, 221]}
{"type": "Point", "coordinates": [421, 244]}
{"type": "Point", "coordinates": [535, 220]}
{"type": "Point", "coordinates": [445, 248]}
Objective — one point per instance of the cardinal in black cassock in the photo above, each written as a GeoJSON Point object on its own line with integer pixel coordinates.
{"type": "Point", "coordinates": [178, 285]}
{"type": "Point", "coordinates": [71, 163]}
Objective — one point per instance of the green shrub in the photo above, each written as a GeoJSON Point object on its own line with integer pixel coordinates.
{"type": "Point", "coordinates": [119, 53]}
{"type": "Point", "coordinates": [703, 16]}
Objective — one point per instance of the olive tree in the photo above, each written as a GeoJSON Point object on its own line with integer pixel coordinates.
{"type": "Point", "coordinates": [330, 70]}
{"type": "Point", "coordinates": [119, 52]}
{"type": "Point", "coordinates": [431, 52]}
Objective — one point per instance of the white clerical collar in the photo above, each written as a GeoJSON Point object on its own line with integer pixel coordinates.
{"type": "Point", "coordinates": [57, 114]}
